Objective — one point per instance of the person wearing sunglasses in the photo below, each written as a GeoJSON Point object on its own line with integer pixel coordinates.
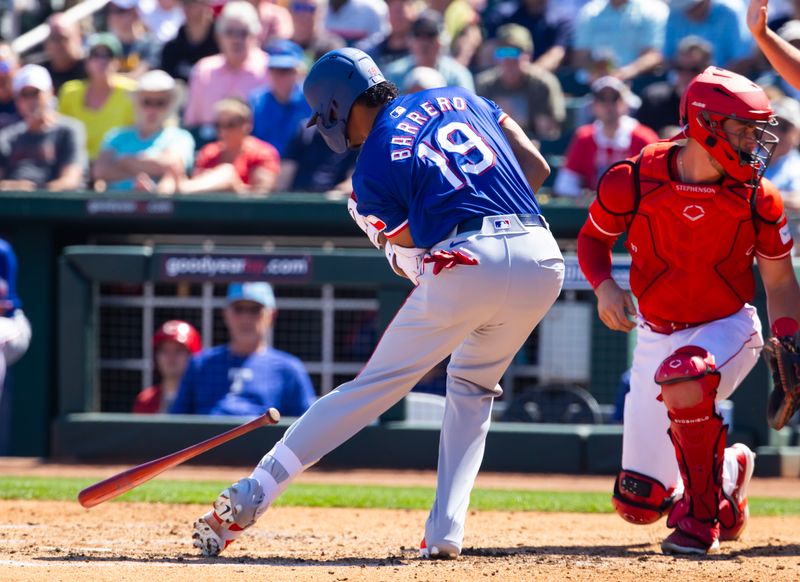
{"type": "Point", "coordinates": [63, 49]}
{"type": "Point", "coordinates": [309, 31]}
{"type": "Point", "coordinates": [239, 69]}
{"type": "Point", "coordinates": [9, 64]}
{"type": "Point", "coordinates": [102, 101]}
{"type": "Point", "coordinates": [661, 100]}
{"type": "Point", "coordinates": [278, 109]}
{"type": "Point", "coordinates": [194, 41]}
{"type": "Point", "coordinates": [45, 150]}
{"type": "Point", "coordinates": [612, 136]}
{"type": "Point", "coordinates": [141, 154]}
{"type": "Point", "coordinates": [528, 93]}
{"type": "Point", "coordinates": [427, 42]}
{"type": "Point", "coordinates": [246, 375]}
{"type": "Point", "coordinates": [238, 162]}
{"type": "Point", "coordinates": [140, 49]}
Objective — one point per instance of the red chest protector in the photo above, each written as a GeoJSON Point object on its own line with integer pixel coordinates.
{"type": "Point", "coordinates": [691, 245]}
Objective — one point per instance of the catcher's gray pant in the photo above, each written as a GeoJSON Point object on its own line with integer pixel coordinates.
{"type": "Point", "coordinates": [481, 314]}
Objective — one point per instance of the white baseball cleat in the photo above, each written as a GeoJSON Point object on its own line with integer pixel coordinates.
{"type": "Point", "coordinates": [746, 459]}
{"type": "Point", "coordinates": [237, 508]}
{"type": "Point", "coordinates": [440, 551]}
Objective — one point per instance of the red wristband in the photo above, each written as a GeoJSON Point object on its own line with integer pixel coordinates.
{"type": "Point", "coordinates": [784, 327]}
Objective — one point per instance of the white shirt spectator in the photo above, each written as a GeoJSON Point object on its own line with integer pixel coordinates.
{"type": "Point", "coordinates": [162, 18]}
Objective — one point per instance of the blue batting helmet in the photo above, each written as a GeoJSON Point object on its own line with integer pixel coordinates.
{"type": "Point", "coordinates": [333, 84]}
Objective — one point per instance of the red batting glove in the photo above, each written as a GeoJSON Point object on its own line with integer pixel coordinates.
{"type": "Point", "coordinates": [448, 260]}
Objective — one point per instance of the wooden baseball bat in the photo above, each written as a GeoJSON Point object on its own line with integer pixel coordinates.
{"type": "Point", "coordinates": [118, 484]}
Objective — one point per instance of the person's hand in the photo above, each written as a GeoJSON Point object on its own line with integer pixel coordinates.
{"type": "Point", "coordinates": [615, 306]}
{"type": "Point", "coordinates": [143, 183]}
{"type": "Point", "coordinates": [757, 17]}
{"type": "Point", "coordinates": [22, 185]}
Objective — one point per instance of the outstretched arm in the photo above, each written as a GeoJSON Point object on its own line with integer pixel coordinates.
{"type": "Point", "coordinates": [781, 55]}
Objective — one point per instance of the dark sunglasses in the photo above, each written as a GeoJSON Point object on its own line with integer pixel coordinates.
{"type": "Point", "coordinates": [218, 125]}
{"type": "Point", "coordinates": [692, 70]}
{"type": "Point", "coordinates": [104, 56]}
{"type": "Point", "coordinates": [239, 309]}
{"type": "Point", "coordinates": [507, 52]}
{"type": "Point", "coordinates": [608, 98]}
{"type": "Point", "coordinates": [236, 32]}
{"type": "Point", "coordinates": [302, 7]}
{"type": "Point", "coordinates": [117, 10]}
{"type": "Point", "coordinates": [155, 103]}
{"type": "Point", "coordinates": [29, 93]}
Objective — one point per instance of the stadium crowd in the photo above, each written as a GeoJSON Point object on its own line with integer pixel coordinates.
{"type": "Point", "coordinates": [187, 96]}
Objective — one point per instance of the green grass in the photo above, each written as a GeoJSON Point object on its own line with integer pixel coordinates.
{"type": "Point", "coordinates": [356, 496]}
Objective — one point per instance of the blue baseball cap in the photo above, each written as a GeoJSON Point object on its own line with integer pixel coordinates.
{"type": "Point", "coordinates": [255, 292]}
{"type": "Point", "coordinates": [284, 54]}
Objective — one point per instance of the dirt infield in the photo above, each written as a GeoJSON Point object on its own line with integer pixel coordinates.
{"type": "Point", "coordinates": [132, 541]}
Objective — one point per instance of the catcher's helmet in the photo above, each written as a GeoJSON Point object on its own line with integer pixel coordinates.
{"type": "Point", "coordinates": [333, 84]}
{"type": "Point", "coordinates": [716, 95]}
{"type": "Point", "coordinates": [178, 331]}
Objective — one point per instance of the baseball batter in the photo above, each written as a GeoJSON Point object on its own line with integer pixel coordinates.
{"type": "Point", "coordinates": [694, 216]}
{"type": "Point", "coordinates": [445, 182]}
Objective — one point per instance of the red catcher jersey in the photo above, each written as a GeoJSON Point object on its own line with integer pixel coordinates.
{"type": "Point", "coordinates": [691, 245]}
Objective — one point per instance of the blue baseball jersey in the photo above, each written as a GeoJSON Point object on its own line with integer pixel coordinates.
{"type": "Point", "coordinates": [219, 382]}
{"type": "Point", "coordinates": [8, 279]}
{"type": "Point", "coordinates": [434, 159]}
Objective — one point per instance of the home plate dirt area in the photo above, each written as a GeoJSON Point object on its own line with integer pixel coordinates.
{"type": "Point", "coordinates": [45, 540]}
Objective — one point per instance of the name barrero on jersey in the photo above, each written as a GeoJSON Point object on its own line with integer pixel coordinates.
{"type": "Point", "coordinates": [416, 119]}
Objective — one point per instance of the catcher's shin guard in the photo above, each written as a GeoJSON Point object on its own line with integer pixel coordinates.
{"type": "Point", "coordinates": [696, 431]}
{"type": "Point", "coordinates": [640, 499]}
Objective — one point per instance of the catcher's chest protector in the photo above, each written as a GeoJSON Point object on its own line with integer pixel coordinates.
{"type": "Point", "coordinates": [691, 244]}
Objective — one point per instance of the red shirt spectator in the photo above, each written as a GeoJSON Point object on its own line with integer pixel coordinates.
{"type": "Point", "coordinates": [254, 155]}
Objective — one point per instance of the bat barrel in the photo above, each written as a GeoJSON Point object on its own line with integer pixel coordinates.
{"type": "Point", "coordinates": [122, 482]}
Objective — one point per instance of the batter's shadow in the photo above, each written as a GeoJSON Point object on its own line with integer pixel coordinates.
{"type": "Point", "coordinates": [193, 559]}
{"type": "Point", "coordinates": [608, 551]}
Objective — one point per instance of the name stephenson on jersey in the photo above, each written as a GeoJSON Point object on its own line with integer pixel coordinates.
{"type": "Point", "coordinates": [434, 159]}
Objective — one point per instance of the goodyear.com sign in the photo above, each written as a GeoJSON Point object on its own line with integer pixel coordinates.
{"type": "Point", "coordinates": [205, 267]}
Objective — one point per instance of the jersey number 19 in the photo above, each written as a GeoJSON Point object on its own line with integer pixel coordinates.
{"type": "Point", "coordinates": [471, 142]}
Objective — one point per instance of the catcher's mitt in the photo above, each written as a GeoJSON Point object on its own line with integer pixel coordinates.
{"type": "Point", "coordinates": [783, 358]}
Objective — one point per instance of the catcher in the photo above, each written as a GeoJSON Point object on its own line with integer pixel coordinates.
{"type": "Point", "coordinates": [695, 214]}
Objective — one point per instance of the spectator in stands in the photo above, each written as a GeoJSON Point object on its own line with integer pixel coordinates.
{"type": "Point", "coordinates": [528, 93]}
{"type": "Point", "coordinates": [15, 335]}
{"type": "Point", "coordinates": [309, 33]}
{"type": "Point", "coordinates": [784, 169]}
{"type": "Point", "coordinates": [238, 162]}
{"type": "Point", "coordinates": [426, 42]}
{"type": "Point", "coordinates": [276, 22]}
{"type": "Point", "coordinates": [357, 20]}
{"type": "Point", "coordinates": [661, 101]}
{"type": "Point", "coordinates": [141, 51]}
{"type": "Point", "coordinates": [467, 36]}
{"type": "Point", "coordinates": [309, 165]}
{"type": "Point", "coordinates": [551, 35]}
{"type": "Point", "coordinates": [718, 22]}
{"type": "Point", "coordinates": [629, 33]}
{"type": "Point", "coordinates": [102, 101]}
{"type": "Point", "coordinates": [45, 150]}
{"type": "Point", "coordinates": [278, 110]}
{"type": "Point", "coordinates": [63, 49]}
{"type": "Point", "coordinates": [149, 149]}
{"type": "Point", "coordinates": [194, 40]}
{"type": "Point", "coordinates": [174, 343]}
{"type": "Point", "coordinates": [162, 18]}
{"type": "Point", "coordinates": [613, 136]}
{"type": "Point", "coordinates": [394, 44]}
{"type": "Point", "coordinates": [245, 376]}
{"type": "Point", "coordinates": [239, 69]}
{"type": "Point", "coordinates": [421, 79]}
{"type": "Point", "coordinates": [9, 63]}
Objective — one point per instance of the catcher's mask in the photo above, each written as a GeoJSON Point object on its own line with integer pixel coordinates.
{"type": "Point", "coordinates": [333, 84]}
{"type": "Point", "coordinates": [713, 97]}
